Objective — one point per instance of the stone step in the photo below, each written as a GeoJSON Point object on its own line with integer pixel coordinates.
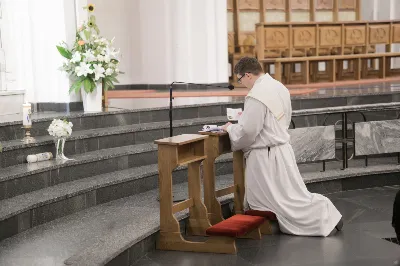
{"type": "Point", "coordinates": [121, 231]}
{"type": "Point", "coordinates": [28, 210]}
{"type": "Point", "coordinates": [77, 234]}
{"type": "Point", "coordinates": [15, 151]}
{"type": "Point", "coordinates": [24, 178]}
{"type": "Point", "coordinates": [123, 246]}
{"type": "Point", "coordinates": [11, 126]}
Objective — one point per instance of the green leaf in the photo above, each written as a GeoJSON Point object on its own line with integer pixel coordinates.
{"type": "Point", "coordinates": [64, 52]}
{"type": "Point", "coordinates": [87, 85]}
{"type": "Point", "coordinates": [92, 84]}
{"type": "Point", "coordinates": [76, 85]}
{"type": "Point", "coordinates": [87, 34]}
{"type": "Point", "coordinates": [96, 29]}
{"type": "Point", "coordinates": [109, 84]}
{"type": "Point", "coordinates": [92, 18]}
{"type": "Point", "coordinates": [113, 79]}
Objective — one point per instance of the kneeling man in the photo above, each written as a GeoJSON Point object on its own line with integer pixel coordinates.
{"type": "Point", "coordinates": [273, 181]}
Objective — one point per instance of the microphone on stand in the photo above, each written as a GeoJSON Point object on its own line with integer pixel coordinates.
{"type": "Point", "coordinates": [230, 87]}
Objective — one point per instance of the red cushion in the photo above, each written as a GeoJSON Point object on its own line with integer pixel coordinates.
{"type": "Point", "coordinates": [235, 226]}
{"type": "Point", "coordinates": [266, 214]}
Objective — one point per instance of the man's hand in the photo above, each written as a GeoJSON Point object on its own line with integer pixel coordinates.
{"type": "Point", "coordinates": [225, 127]}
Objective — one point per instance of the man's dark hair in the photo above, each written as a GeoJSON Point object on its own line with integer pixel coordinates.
{"type": "Point", "coordinates": [248, 65]}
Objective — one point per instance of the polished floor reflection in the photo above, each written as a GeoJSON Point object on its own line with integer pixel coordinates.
{"type": "Point", "coordinates": [367, 215]}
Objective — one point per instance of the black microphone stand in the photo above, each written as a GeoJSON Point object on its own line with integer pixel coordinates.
{"type": "Point", "coordinates": [230, 87]}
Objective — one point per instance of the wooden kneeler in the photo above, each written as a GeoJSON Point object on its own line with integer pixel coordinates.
{"type": "Point", "coordinates": [218, 143]}
{"type": "Point", "coordinates": [189, 150]}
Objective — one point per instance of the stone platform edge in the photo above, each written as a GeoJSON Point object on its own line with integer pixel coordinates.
{"type": "Point", "coordinates": [132, 250]}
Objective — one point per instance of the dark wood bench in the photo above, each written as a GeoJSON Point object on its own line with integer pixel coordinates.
{"type": "Point", "coordinates": [360, 72]}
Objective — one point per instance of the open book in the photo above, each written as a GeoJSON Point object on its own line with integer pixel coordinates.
{"type": "Point", "coordinates": [233, 114]}
{"type": "Point", "coordinates": [211, 128]}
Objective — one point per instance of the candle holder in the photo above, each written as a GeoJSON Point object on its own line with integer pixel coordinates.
{"type": "Point", "coordinates": [28, 138]}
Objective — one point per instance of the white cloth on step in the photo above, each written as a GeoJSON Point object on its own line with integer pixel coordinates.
{"type": "Point", "coordinates": [273, 181]}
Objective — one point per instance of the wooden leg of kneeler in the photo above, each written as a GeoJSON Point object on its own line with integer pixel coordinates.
{"type": "Point", "coordinates": [198, 221]}
{"type": "Point", "coordinates": [239, 181]}
{"type": "Point", "coordinates": [266, 228]}
{"type": "Point", "coordinates": [210, 200]}
{"type": "Point", "coordinates": [255, 234]}
{"type": "Point", "coordinates": [214, 244]}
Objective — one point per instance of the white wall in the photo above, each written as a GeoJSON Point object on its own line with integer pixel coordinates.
{"type": "Point", "coordinates": [160, 41]}
{"type": "Point", "coordinates": [167, 40]}
{"type": "Point", "coordinates": [30, 38]}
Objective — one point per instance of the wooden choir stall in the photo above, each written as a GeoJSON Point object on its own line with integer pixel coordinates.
{"type": "Point", "coordinates": [205, 219]}
{"type": "Point", "coordinates": [312, 41]}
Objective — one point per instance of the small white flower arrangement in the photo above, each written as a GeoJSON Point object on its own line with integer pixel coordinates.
{"type": "Point", "coordinates": [60, 128]}
{"type": "Point", "coordinates": [92, 59]}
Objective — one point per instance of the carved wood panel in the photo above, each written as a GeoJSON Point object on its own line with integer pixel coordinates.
{"type": "Point", "coordinates": [231, 42]}
{"type": "Point", "coordinates": [324, 5]}
{"type": "Point", "coordinates": [230, 5]}
{"type": "Point", "coordinates": [274, 4]}
{"type": "Point", "coordinates": [355, 35]}
{"type": "Point", "coordinates": [304, 37]}
{"type": "Point", "coordinates": [379, 34]}
{"type": "Point", "coordinates": [277, 37]}
{"type": "Point", "coordinates": [300, 4]}
{"type": "Point", "coordinates": [248, 40]}
{"type": "Point", "coordinates": [396, 34]}
{"type": "Point", "coordinates": [249, 5]}
{"type": "Point", "coordinates": [347, 4]}
{"type": "Point", "coordinates": [330, 36]}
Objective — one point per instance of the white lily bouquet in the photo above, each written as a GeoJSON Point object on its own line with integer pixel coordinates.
{"type": "Point", "coordinates": [92, 59]}
{"type": "Point", "coordinates": [60, 130]}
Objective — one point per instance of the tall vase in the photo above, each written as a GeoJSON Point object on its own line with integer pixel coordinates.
{"type": "Point", "coordinates": [60, 144]}
{"type": "Point", "coordinates": [92, 101]}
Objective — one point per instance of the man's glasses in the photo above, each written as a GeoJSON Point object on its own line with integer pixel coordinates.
{"type": "Point", "coordinates": [241, 78]}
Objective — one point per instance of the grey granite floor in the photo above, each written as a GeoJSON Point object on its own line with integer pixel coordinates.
{"type": "Point", "coordinates": [367, 217]}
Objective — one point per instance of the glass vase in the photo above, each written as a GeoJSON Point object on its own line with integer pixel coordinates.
{"type": "Point", "coordinates": [60, 144]}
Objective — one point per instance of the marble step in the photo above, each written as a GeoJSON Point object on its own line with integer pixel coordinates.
{"type": "Point", "coordinates": [24, 178]}
{"type": "Point", "coordinates": [28, 210]}
{"type": "Point", "coordinates": [78, 234]}
{"type": "Point", "coordinates": [15, 151]}
{"type": "Point", "coordinates": [123, 246]}
{"type": "Point", "coordinates": [11, 125]}
{"type": "Point", "coordinates": [121, 231]}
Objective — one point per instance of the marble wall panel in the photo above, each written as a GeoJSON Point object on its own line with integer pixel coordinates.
{"type": "Point", "coordinates": [377, 137]}
{"type": "Point", "coordinates": [313, 143]}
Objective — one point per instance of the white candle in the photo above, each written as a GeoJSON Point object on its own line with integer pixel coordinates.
{"type": "Point", "coordinates": [26, 114]}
